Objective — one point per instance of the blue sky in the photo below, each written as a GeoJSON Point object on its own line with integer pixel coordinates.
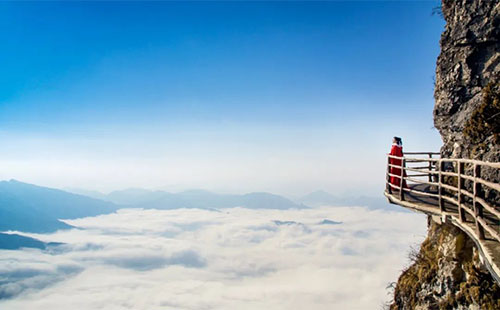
{"type": "Point", "coordinates": [226, 96]}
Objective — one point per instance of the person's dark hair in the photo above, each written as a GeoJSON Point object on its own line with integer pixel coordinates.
{"type": "Point", "coordinates": [398, 140]}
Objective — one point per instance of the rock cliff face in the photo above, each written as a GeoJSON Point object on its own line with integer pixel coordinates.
{"type": "Point", "coordinates": [467, 90]}
{"type": "Point", "coordinates": [446, 272]}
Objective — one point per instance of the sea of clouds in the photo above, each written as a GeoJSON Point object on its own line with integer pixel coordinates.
{"type": "Point", "coordinates": [199, 259]}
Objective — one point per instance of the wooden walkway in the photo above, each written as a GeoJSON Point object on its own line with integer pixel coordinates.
{"type": "Point", "coordinates": [462, 204]}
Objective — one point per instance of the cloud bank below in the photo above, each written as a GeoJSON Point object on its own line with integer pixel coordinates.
{"type": "Point", "coordinates": [239, 258]}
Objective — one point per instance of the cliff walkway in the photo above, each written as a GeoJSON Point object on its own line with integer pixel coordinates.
{"type": "Point", "coordinates": [451, 190]}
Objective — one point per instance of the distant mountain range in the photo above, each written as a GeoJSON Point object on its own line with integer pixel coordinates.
{"type": "Point", "coordinates": [201, 199]}
{"type": "Point", "coordinates": [30, 208]}
{"type": "Point", "coordinates": [15, 241]}
{"type": "Point", "coordinates": [138, 197]}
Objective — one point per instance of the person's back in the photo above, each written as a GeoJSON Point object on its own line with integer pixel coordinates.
{"type": "Point", "coordinates": [396, 150]}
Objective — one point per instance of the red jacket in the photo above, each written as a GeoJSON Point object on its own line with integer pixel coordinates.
{"type": "Point", "coordinates": [396, 150]}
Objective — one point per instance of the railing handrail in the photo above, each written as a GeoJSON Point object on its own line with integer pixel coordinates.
{"type": "Point", "coordinates": [460, 193]}
{"type": "Point", "coordinates": [444, 159]}
{"type": "Point", "coordinates": [472, 161]}
{"type": "Point", "coordinates": [422, 153]}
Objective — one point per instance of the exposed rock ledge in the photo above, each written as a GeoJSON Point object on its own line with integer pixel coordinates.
{"type": "Point", "coordinates": [446, 274]}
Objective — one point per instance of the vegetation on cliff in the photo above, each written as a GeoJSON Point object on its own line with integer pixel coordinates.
{"type": "Point", "coordinates": [484, 122]}
{"type": "Point", "coordinates": [446, 274]}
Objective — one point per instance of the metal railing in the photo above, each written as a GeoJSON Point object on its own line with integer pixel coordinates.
{"type": "Point", "coordinates": [450, 185]}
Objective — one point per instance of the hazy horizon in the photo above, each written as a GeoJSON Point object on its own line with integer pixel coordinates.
{"type": "Point", "coordinates": [96, 193]}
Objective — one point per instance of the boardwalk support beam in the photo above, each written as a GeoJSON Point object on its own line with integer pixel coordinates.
{"type": "Point", "coordinates": [460, 185]}
{"type": "Point", "coordinates": [402, 181]}
{"type": "Point", "coordinates": [440, 188]}
{"type": "Point", "coordinates": [478, 208]}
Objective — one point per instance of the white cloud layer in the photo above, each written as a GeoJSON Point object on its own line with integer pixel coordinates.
{"type": "Point", "coordinates": [198, 259]}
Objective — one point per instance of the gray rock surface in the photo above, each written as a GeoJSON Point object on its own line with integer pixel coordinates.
{"type": "Point", "coordinates": [468, 62]}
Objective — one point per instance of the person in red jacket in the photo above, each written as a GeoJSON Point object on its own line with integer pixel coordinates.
{"type": "Point", "coordinates": [397, 150]}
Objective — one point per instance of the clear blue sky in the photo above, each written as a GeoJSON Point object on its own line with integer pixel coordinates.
{"type": "Point", "coordinates": [226, 96]}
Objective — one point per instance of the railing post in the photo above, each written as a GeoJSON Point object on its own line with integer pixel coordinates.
{"type": "Point", "coordinates": [402, 181]}
{"type": "Point", "coordinates": [440, 188]}
{"type": "Point", "coordinates": [460, 185]}
{"type": "Point", "coordinates": [478, 208]}
{"type": "Point", "coordinates": [388, 184]}
{"type": "Point", "coordinates": [430, 167]}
